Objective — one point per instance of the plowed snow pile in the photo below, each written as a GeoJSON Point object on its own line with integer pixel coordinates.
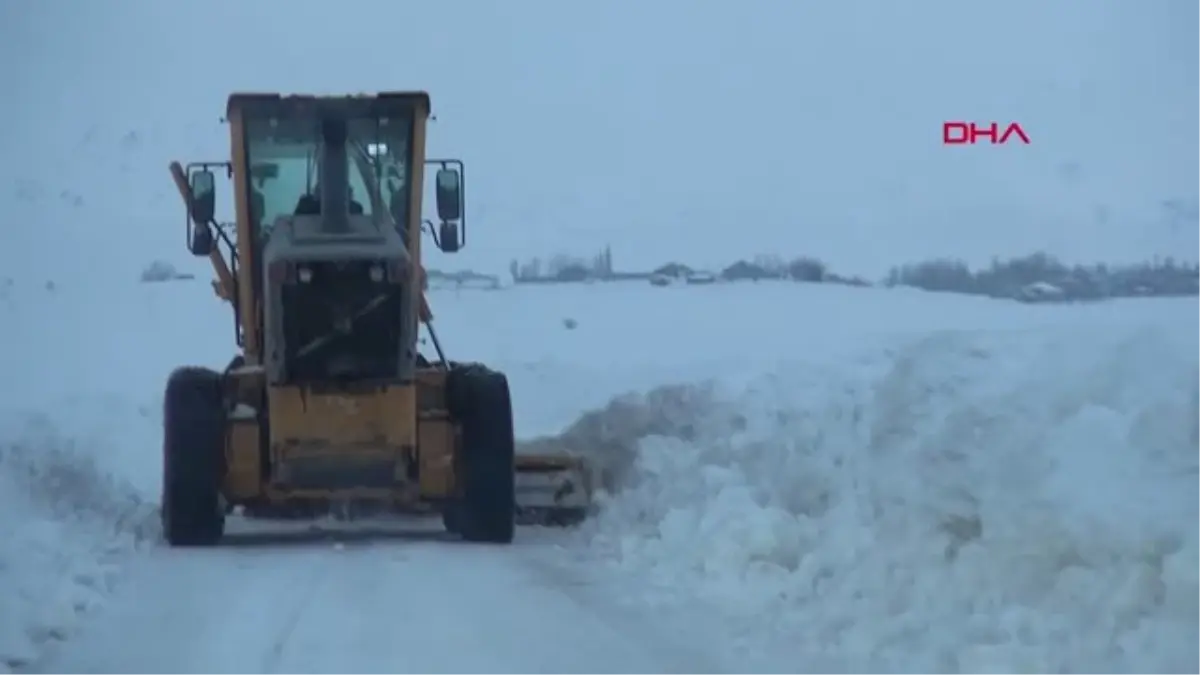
{"type": "Point", "coordinates": [79, 446]}
{"type": "Point", "coordinates": [964, 502]}
{"type": "Point", "coordinates": [65, 525]}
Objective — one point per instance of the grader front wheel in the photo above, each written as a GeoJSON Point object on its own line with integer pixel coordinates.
{"type": "Point", "coordinates": [193, 458]}
{"type": "Point", "coordinates": [485, 509]}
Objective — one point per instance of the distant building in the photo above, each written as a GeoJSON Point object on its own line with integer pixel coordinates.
{"type": "Point", "coordinates": [675, 270]}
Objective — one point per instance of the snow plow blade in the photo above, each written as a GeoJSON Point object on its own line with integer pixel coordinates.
{"type": "Point", "coordinates": [552, 490]}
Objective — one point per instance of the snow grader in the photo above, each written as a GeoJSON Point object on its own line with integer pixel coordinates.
{"type": "Point", "coordinates": [329, 406]}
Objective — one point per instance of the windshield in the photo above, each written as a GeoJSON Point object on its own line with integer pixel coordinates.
{"type": "Point", "coordinates": [283, 155]}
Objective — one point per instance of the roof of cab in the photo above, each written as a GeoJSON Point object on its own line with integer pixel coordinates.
{"type": "Point", "coordinates": [239, 99]}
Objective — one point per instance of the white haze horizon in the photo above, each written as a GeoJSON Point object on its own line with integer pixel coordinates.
{"type": "Point", "coordinates": [697, 131]}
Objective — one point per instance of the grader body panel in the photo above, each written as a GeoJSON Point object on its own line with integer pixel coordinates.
{"type": "Point", "coordinates": [329, 402]}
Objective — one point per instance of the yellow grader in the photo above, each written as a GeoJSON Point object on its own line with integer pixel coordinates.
{"type": "Point", "coordinates": [329, 405]}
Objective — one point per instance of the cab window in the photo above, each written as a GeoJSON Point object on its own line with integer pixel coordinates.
{"type": "Point", "coordinates": [284, 158]}
{"type": "Point", "coordinates": [379, 165]}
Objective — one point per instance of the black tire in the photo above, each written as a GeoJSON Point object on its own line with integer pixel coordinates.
{"type": "Point", "coordinates": [193, 458]}
{"type": "Point", "coordinates": [485, 510]}
{"type": "Point", "coordinates": [450, 518]}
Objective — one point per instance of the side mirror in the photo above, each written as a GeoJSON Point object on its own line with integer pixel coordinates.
{"type": "Point", "coordinates": [203, 195]}
{"type": "Point", "coordinates": [448, 239]}
{"type": "Point", "coordinates": [449, 195]}
{"type": "Point", "coordinates": [201, 243]}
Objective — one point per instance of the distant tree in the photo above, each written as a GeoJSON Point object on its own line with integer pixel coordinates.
{"type": "Point", "coordinates": [935, 275]}
{"type": "Point", "coordinates": [572, 272]}
{"type": "Point", "coordinates": [772, 264]}
{"type": "Point", "coordinates": [1018, 277]}
{"type": "Point", "coordinates": [743, 270]}
{"type": "Point", "coordinates": [806, 269]}
{"type": "Point", "coordinates": [562, 261]}
{"type": "Point", "coordinates": [531, 270]}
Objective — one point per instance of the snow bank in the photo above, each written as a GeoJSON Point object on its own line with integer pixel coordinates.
{"type": "Point", "coordinates": [65, 525]}
{"type": "Point", "coordinates": [963, 502]}
{"type": "Point", "coordinates": [79, 439]}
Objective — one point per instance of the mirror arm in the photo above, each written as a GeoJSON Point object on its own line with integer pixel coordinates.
{"type": "Point", "coordinates": [224, 236]}
{"type": "Point", "coordinates": [432, 231]}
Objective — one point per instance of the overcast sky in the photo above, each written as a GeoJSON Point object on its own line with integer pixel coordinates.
{"type": "Point", "coordinates": [687, 129]}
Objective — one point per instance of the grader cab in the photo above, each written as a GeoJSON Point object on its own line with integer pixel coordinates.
{"type": "Point", "coordinates": [330, 404]}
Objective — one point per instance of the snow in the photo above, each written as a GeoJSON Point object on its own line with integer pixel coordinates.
{"type": "Point", "coordinates": [966, 503]}
{"type": "Point", "coordinates": [966, 485]}
{"type": "Point", "coordinates": [799, 477]}
{"type": "Point", "coordinates": [66, 526]}
{"type": "Point", "coordinates": [79, 439]}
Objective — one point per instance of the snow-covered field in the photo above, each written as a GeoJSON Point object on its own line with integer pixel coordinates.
{"type": "Point", "coordinates": [802, 478]}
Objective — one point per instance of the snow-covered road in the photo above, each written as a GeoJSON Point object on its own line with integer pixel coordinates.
{"type": "Point", "coordinates": [375, 599]}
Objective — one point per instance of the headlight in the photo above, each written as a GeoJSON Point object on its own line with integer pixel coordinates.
{"type": "Point", "coordinates": [304, 274]}
{"type": "Point", "coordinates": [376, 273]}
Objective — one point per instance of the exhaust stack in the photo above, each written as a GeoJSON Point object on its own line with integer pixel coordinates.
{"type": "Point", "coordinates": [335, 177]}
